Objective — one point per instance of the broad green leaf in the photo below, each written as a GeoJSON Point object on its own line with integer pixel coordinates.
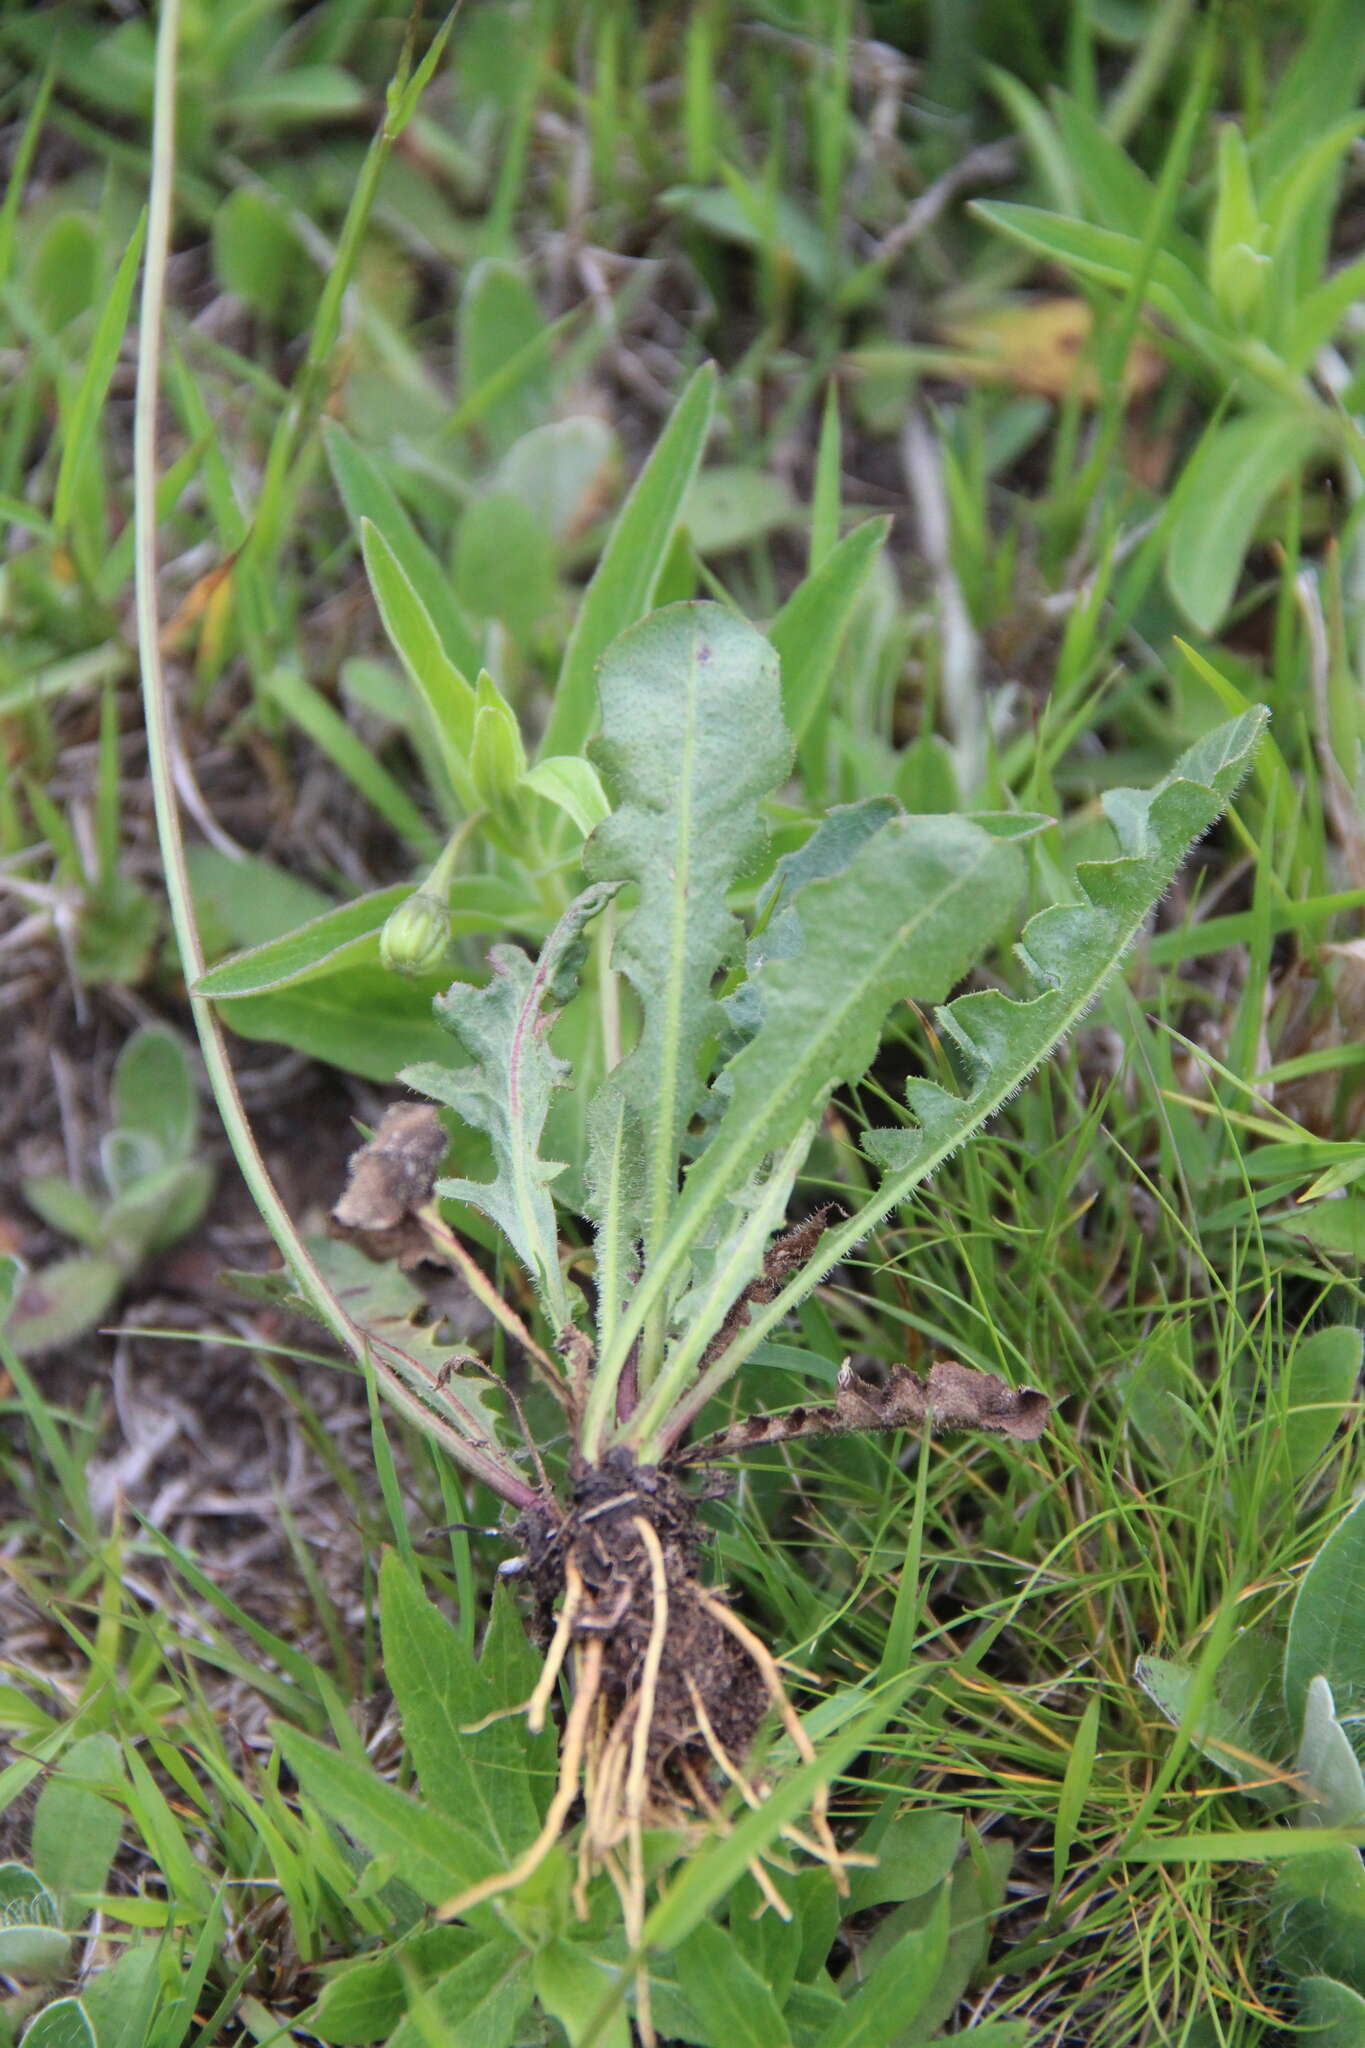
{"type": "Point", "coordinates": [1317, 1915]}
{"type": "Point", "coordinates": [65, 272]}
{"type": "Point", "coordinates": [1327, 1627]}
{"type": "Point", "coordinates": [841, 833]}
{"type": "Point", "coordinates": [32, 1940]}
{"type": "Point", "coordinates": [810, 2012]}
{"type": "Point", "coordinates": [1069, 952]}
{"type": "Point", "coordinates": [152, 1092]}
{"type": "Point", "coordinates": [1110, 258]}
{"type": "Point", "coordinates": [155, 1210]}
{"type": "Point", "coordinates": [481, 1779]}
{"type": "Point", "coordinates": [976, 1893]}
{"type": "Point", "coordinates": [431, 1852]}
{"type": "Point", "coordinates": [772, 1946]}
{"type": "Point", "coordinates": [62, 2025]}
{"type": "Point", "coordinates": [1226, 1738]}
{"type": "Point", "coordinates": [255, 254]}
{"type": "Point", "coordinates": [1232, 476]}
{"type": "Point", "coordinates": [365, 2002]}
{"type": "Point", "coordinates": [914, 908]}
{"type": "Point", "coordinates": [478, 2004]}
{"type": "Point", "coordinates": [914, 1853]}
{"type": "Point", "coordinates": [1327, 1763]}
{"type": "Point", "coordinates": [895, 1991]}
{"type": "Point", "coordinates": [302, 93]}
{"type": "Point", "coordinates": [75, 1830]}
{"type": "Point", "coordinates": [1319, 1380]}
{"type": "Point", "coordinates": [65, 1208]}
{"type": "Point", "coordinates": [731, 2000]}
{"type": "Point", "coordinates": [574, 785]}
{"type": "Point", "coordinates": [615, 1201]}
{"type": "Point", "coordinates": [356, 1016]}
{"type": "Point", "coordinates": [368, 495]}
{"type": "Point", "coordinates": [563, 470]}
{"type": "Point", "coordinates": [571, 1984]}
{"type": "Point", "coordinates": [120, 2000]}
{"type": "Point", "coordinates": [310, 711]}
{"type": "Point", "coordinates": [809, 630]}
{"type": "Point", "coordinates": [246, 902]}
{"type": "Point", "coordinates": [1333, 2015]}
{"type": "Point", "coordinates": [81, 423]}
{"type": "Point", "coordinates": [1335, 1227]}
{"type": "Point", "coordinates": [61, 1301]}
{"type": "Point", "coordinates": [723, 212]}
{"type": "Point", "coordinates": [349, 936]}
{"type": "Point", "coordinates": [692, 739]}
{"type": "Point", "coordinates": [1316, 316]}
{"type": "Point", "coordinates": [730, 507]}
{"type": "Point", "coordinates": [507, 1089]}
{"type": "Point", "coordinates": [444, 693]}
{"type": "Point", "coordinates": [499, 320]}
{"type": "Point", "coordinates": [627, 576]}
{"type": "Point", "coordinates": [504, 564]}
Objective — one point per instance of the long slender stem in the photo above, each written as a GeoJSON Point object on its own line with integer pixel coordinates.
{"type": "Point", "coordinates": [476, 1459]}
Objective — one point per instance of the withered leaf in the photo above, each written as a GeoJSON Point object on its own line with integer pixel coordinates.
{"type": "Point", "coordinates": [953, 1397]}
{"type": "Point", "coordinates": [390, 1180]}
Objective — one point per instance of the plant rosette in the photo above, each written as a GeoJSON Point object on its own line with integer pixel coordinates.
{"type": "Point", "coordinates": [696, 1137]}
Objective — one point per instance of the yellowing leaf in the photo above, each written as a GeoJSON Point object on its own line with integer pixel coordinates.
{"type": "Point", "coordinates": [1039, 345]}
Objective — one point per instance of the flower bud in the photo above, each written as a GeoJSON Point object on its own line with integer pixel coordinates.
{"type": "Point", "coordinates": [416, 935]}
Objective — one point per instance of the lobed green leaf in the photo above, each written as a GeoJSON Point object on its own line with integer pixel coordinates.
{"type": "Point", "coordinates": [506, 1091]}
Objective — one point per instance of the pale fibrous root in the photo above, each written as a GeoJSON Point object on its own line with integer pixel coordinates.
{"type": "Point", "coordinates": [668, 1687]}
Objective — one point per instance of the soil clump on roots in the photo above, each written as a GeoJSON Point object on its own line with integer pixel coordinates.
{"type": "Point", "coordinates": [707, 1693]}
{"type": "Point", "coordinates": [668, 1688]}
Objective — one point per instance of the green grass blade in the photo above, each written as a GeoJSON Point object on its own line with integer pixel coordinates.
{"type": "Point", "coordinates": [347, 752]}
{"type": "Point", "coordinates": [444, 692]}
{"type": "Point", "coordinates": [809, 630]}
{"type": "Point", "coordinates": [633, 559]}
{"type": "Point", "coordinates": [19, 169]}
{"type": "Point", "coordinates": [82, 422]}
{"type": "Point", "coordinates": [368, 495]}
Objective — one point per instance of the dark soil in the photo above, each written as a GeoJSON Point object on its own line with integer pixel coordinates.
{"type": "Point", "coordinates": [598, 1532]}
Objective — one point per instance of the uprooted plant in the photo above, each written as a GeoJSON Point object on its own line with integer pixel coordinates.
{"type": "Point", "coordinates": [733, 1043]}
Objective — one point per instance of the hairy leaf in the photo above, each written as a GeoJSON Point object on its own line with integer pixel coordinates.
{"type": "Point", "coordinates": [632, 562]}
{"type": "Point", "coordinates": [905, 917]}
{"type": "Point", "coordinates": [692, 739]}
{"type": "Point", "coordinates": [481, 1780]}
{"type": "Point", "coordinates": [432, 1853]}
{"type": "Point", "coordinates": [1326, 1634]}
{"type": "Point", "coordinates": [507, 1090]}
{"type": "Point", "coordinates": [1069, 951]}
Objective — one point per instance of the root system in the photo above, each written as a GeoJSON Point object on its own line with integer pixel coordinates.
{"type": "Point", "coordinates": [668, 1685]}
